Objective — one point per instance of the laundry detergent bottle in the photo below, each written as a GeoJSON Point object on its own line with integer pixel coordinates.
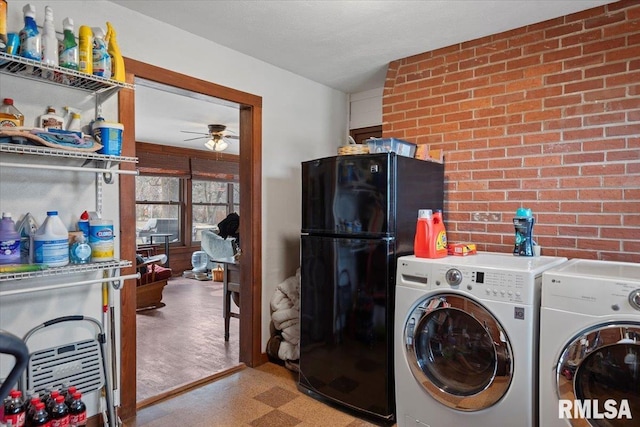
{"type": "Point", "coordinates": [439, 235]}
{"type": "Point", "coordinates": [51, 242]}
{"type": "Point", "coordinates": [423, 234]}
{"type": "Point", "coordinates": [523, 224]}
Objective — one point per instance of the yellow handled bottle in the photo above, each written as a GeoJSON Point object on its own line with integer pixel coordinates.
{"type": "Point", "coordinates": [117, 62]}
{"type": "Point", "coordinates": [85, 49]}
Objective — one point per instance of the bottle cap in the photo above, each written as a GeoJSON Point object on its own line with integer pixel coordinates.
{"type": "Point", "coordinates": [8, 101]}
{"type": "Point", "coordinates": [524, 212]}
{"type": "Point", "coordinates": [6, 214]}
{"type": "Point", "coordinates": [67, 24]}
{"type": "Point", "coordinates": [425, 213]}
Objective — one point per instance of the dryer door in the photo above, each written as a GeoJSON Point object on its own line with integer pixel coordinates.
{"type": "Point", "coordinates": [458, 352]}
{"type": "Point", "coordinates": [600, 367]}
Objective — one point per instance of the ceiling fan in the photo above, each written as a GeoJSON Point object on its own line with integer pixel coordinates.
{"type": "Point", "coordinates": [216, 137]}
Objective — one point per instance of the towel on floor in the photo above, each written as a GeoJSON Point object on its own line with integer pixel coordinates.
{"type": "Point", "coordinates": [285, 307]}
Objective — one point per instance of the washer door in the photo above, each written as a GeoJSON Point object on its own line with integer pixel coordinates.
{"type": "Point", "coordinates": [458, 352]}
{"type": "Point", "coordinates": [602, 363]}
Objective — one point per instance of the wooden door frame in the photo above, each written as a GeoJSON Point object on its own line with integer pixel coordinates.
{"type": "Point", "coordinates": [250, 226]}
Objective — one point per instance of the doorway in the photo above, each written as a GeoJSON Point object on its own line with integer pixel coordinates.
{"type": "Point", "coordinates": [250, 134]}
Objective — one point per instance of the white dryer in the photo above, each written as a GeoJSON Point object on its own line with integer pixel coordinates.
{"type": "Point", "coordinates": [590, 345]}
{"type": "Point", "coordinates": [465, 340]}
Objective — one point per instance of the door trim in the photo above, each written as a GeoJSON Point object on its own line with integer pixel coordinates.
{"type": "Point", "coordinates": [250, 228]}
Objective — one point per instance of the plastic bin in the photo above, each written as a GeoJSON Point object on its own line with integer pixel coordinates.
{"type": "Point", "coordinates": [388, 145]}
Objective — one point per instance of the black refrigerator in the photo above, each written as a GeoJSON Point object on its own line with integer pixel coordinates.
{"type": "Point", "coordinates": [359, 214]}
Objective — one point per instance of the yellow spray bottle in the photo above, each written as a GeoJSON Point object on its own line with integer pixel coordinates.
{"type": "Point", "coordinates": [117, 62]}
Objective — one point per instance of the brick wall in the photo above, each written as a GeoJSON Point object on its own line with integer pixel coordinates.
{"type": "Point", "coordinates": [546, 116]}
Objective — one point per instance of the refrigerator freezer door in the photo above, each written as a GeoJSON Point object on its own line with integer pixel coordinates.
{"type": "Point", "coordinates": [346, 331]}
{"type": "Point", "coordinates": [348, 195]}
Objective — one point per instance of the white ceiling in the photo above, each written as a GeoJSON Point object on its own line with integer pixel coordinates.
{"type": "Point", "coordinates": [342, 44]}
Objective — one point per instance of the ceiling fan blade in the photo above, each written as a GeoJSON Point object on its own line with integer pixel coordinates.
{"type": "Point", "coordinates": [197, 133]}
{"type": "Point", "coordinates": [231, 137]}
{"type": "Point", "coordinates": [197, 137]}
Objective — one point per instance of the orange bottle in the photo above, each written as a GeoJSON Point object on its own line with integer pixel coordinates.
{"type": "Point", "coordinates": [439, 235]}
{"type": "Point", "coordinates": [422, 239]}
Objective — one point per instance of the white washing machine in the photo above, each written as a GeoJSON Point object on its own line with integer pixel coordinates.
{"type": "Point", "coordinates": [465, 340]}
{"type": "Point", "coordinates": [590, 345]}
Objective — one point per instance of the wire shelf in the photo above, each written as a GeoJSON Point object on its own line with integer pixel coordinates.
{"type": "Point", "coordinates": [46, 151]}
{"type": "Point", "coordinates": [35, 70]}
{"type": "Point", "coordinates": [66, 270]}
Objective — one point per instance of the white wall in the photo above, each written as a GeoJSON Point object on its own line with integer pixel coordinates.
{"type": "Point", "coordinates": [365, 108]}
{"type": "Point", "coordinates": [302, 119]}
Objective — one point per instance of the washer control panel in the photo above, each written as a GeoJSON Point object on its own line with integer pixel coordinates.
{"type": "Point", "coordinates": [486, 283]}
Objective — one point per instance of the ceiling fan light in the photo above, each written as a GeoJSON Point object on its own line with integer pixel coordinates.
{"type": "Point", "coordinates": [210, 144]}
{"type": "Point", "coordinates": [221, 145]}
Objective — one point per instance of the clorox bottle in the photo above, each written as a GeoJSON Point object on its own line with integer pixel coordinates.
{"type": "Point", "coordinates": [51, 242]}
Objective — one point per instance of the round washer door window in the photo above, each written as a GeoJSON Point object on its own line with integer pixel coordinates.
{"type": "Point", "coordinates": [600, 368]}
{"type": "Point", "coordinates": [458, 352]}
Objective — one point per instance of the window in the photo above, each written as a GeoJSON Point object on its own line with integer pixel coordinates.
{"type": "Point", "coordinates": [211, 202]}
{"type": "Point", "coordinates": [159, 207]}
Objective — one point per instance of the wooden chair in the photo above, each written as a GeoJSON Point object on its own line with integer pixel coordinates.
{"type": "Point", "coordinates": [153, 278]}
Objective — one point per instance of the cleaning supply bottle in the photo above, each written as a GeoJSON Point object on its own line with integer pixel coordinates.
{"type": "Point", "coordinates": [3, 23]}
{"type": "Point", "coordinates": [51, 242]}
{"type": "Point", "coordinates": [523, 223]}
{"type": "Point", "coordinates": [49, 39]}
{"type": "Point", "coordinates": [85, 49]}
{"type": "Point", "coordinates": [50, 120]}
{"type": "Point", "coordinates": [68, 48]}
{"type": "Point", "coordinates": [117, 62]}
{"type": "Point", "coordinates": [26, 228]}
{"type": "Point", "coordinates": [101, 57]}
{"type": "Point", "coordinates": [9, 241]}
{"type": "Point", "coordinates": [439, 234]}
{"type": "Point", "coordinates": [10, 116]}
{"type": "Point", "coordinates": [421, 247]}
{"type": "Point", "coordinates": [30, 39]}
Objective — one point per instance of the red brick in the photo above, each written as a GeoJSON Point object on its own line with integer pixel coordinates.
{"type": "Point", "coordinates": [507, 141]}
{"type": "Point", "coordinates": [547, 137]}
{"type": "Point", "coordinates": [459, 55]}
{"type": "Point", "coordinates": [525, 62]}
{"type": "Point", "coordinates": [524, 84]}
{"type": "Point", "coordinates": [564, 29]}
{"type": "Point", "coordinates": [582, 37]}
{"type": "Point", "coordinates": [474, 124]}
{"type": "Point", "coordinates": [462, 135]}
{"type": "Point", "coordinates": [585, 14]}
{"type": "Point", "coordinates": [457, 96]}
{"type": "Point", "coordinates": [581, 182]}
{"type": "Point", "coordinates": [624, 79]}
{"type": "Point", "coordinates": [543, 69]}
{"type": "Point", "coordinates": [631, 220]}
{"type": "Point", "coordinates": [490, 69]}
{"type": "Point", "coordinates": [634, 65]}
{"type": "Point", "coordinates": [475, 103]}
{"type": "Point", "coordinates": [600, 95]}
{"type": "Point", "coordinates": [558, 101]}
{"type": "Point", "coordinates": [488, 174]}
{"type": "Point", "coordinates": [504, 184]}
{"type": "Point", "coordinates": [521, 173]}
{"type": "Point", "coordinates": [539, 115]}
{"type": "Point", "coordinates": [445, 108]}
{"type": "Point", "coordinates": [605, 19]}
{"type": "Point", "coordinates": [562, 54]}
{"type": "Point", "coordinates": [582, 134]}
{"type": "Point", "coordinates": [605, 70]}
{"type": "Point", "coordinates": [526, 39]}
{"type": "Point", "coordinates": [505, 120]}
{"type": "Point", "coordinates": [505, 55]}
{"type": "Point", "coordinates": [600, 219]}
{"type": "Point", "coordinates": [582, 206]}
{"type": "Point", "coordinates": [579, 110]}
{"type": "Point", "coordinates": [442, 89]}
{"type": "Point", "coordinates": [603, 119]}
{"type": "Point", "coordinates": [583, 86]}
{"type": "Point", "coordinates": [507, 76]}
{"type": "Point", "coordinates": [570, 76]}
{"type": "Point", "coordinates": [599, 244]}
{"type": "Point", "coordinates": [560, 171]}
{"type": "Point", "coordinates": [547, 160]}
{"type": "Point", "coordinates": [578, 231]}
{"type": "Point", "coordinates": [544, 92]}
{"type": "Point", "coordinates": [524, 128]}
{"type": "Point", "coordinates": [600, 194]}
{"type": "Point", "coordinates": [489, 132]}
{"type": "Point", "coordinates": [509, 98]}
{"type": "Point", "coordinates": [561, 194]}
{"type": "Point", "coordinates": [626, 27]}
{"type": "Point", "coordinates": [623, 207]}
{"type": "Point", "coordinates": [621, 54]}
{"type": "Point", "coordinates": [605, 169]}
{"type": "Point", "coordinates": [487, 112]}
{"type": "Point", "coordinates": [522, 195]}
{"type": "Point", "coordinates": [474, 83]}
{"type": "Point", "coordinates": [431, 119]}
{"type": "Point", "coordinates": [623, 104]}
{"type": "Point", "coordinates": [427, 102]}
{"type": "Point", "coordinates": [457, 76]}
{"type": "Point", "coordinates": [622, 130]}
{"type": "Point", "coordinates": [592, 157]}
{"type": "Point", "coordinates": [570, 123]}
{"type": "Point", "coordinates": [489, 91]}
{"type": "Point", "coordinates": [628, 233]}
{"type": "Point", "coordinates": [505, 163]}
{"type": "Point", "coordinates": [537, 184]}
{"type": "Point", "coordinates": [615, 156]}
{"type": "Point", "coordinates": [584, 61]}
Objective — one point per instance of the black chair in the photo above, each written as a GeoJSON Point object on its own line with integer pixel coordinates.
{"type": "Point", "coordinates": [11, 344]}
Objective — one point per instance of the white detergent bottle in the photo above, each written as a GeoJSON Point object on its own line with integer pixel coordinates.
{"type": "Point", "coordinates": [49, 39]}
{"type": "Point", "coordinates": [51, 242]}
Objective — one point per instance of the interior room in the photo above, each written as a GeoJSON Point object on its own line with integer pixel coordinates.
{"type": "Point", "coordinates": [526, 107]}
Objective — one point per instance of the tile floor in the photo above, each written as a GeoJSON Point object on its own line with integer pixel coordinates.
{"type": "Point", "coordinates": [266, 396]}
